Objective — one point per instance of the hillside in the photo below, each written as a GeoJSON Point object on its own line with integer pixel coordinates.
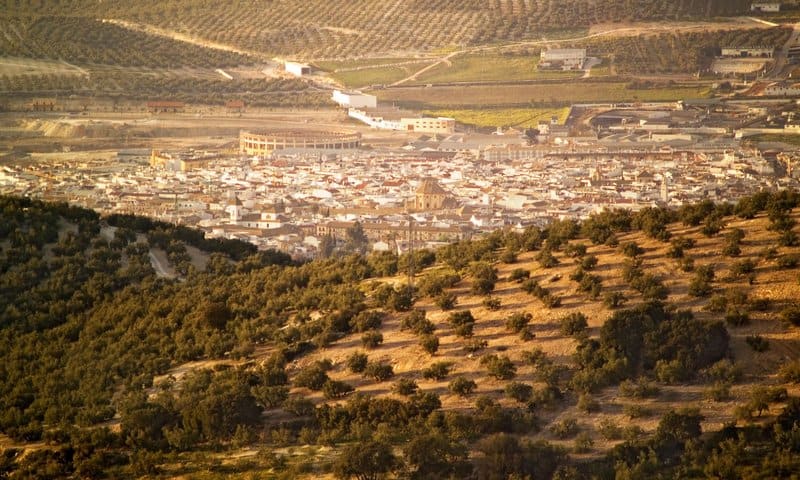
{"type": "Point", "coordinates": [662, 341]}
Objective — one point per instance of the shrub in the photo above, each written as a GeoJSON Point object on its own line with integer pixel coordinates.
{"type": "Point", "coordinates": [445, 301]}
{"type": "Point", "coordinates": [583, 443]}
{"type": "Point", "coordinates": [791, 314]}
{"type": "Point", "coordinates": [566, 428]}
{"type": "Point", "coordinates": [405, 386]}
{"type": "Point", "coordinates": [417, 323]}
{"type": "Point", "coordinates": [312, 377]}
{"type": "Point", "coordinates": [433, 284]}
{"type": "Point", "coordinates": [742, 267]}
{"type": "Point", "coordinates": [609, 429]}
{"type": "Point", "coordinates": [573, 324]}
{"type": "Point", "coordinates": [465, 330]}
{"type": "Point", "coordinates": [724, 371]}
{"type": "Point", "coordinates": [546, 259]}
{"type": "Point", "coordinates": [437, 371]}
{"type": "Point", "coordinates": [531, 286]}
{"type": "Point", "coordinates": [508, 256]}
{"type": "Point", "coordinates": [336, 389]}
{"type": "Point", "coordinates": [788, 261]}
{"type": "Point", "coordinates": [462, 386]}
{"type": "Point", "coordinates": [718, 392]}
{"type": "Point", "coordinates": [527, 334]}
{"type": "Point", "coordinates": [499, 367]}
{"type": "Point", "coordinates": [642, 388]}
{"type": "Point", "coordinates": [736, 318]}
{"type": "Point", "coordinates": [575, 250]}
{"type": "Point", "coordinates": [534, 357]}
{"type": "Point", "coordinates": [790, 372]}
{"type": "Point", "coordinates": [367, 320]}
{"type": "Point", "coordinates": [631, 249]}
{"type": "Point", "coordinates": [519, 274]}
{"type": "Point", "coordinates": [757, 343]}
{"type": "Point", "coordinates": [517, 321]}
{"type": "Point", "coordinates": [378, 371]}
{"type": "Point", "coordinates": [475, 345]}
{"type": "Point", "coordinates": [635, 410]}
{"type": "Point", "coordinates": [551, 301]}
{"type": "Point", "coordinates": [520, 392]}
{"type": "Point", "coordinates": [587, 403]}
{"type": "Point", "coordinates": [614, 299]}
{"type": "Point", "coordinates": [372, 339]}
{"type": "Point", "coordinates": [429, 343]}
{"type": "Point", "coordinates": [491, 303]}
{"type": "Point", "coordinates": [588, 263]}
{"type": "Point", "coordinates": [357, 362]}
{"type": "Point", "coordinates": [485, 276]}
{"type": "Point", "coordinates": [463, 318]}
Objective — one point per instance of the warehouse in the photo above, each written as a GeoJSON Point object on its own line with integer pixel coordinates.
{"type": "Point", "coordinates": [354, 99]}
{"type": "Point", "coordinates": [563, 59]}
{"type": "Point", "coordinates": [297, 69]}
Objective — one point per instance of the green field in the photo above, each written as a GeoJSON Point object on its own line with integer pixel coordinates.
{"type": "Point", "coordinates": [509, 96]}
{"type": "Point", "coordinates": [333, 65]}
{"type": "Point", "coordinates": [504, 117]}
{"type": "Point", "coordinates": [491, 68]}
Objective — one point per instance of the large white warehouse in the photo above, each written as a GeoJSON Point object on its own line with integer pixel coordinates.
{"type": "Point", "coordinates": [354, 99]}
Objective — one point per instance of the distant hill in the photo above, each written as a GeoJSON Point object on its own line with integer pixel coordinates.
{"type": "Point", "coordinates": [354, 28]}
{"type": "Point", "coordinates": [663, 341]}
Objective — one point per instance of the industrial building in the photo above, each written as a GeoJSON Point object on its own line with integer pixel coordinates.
{"type": "Point", "coordinates": [354, 99]}
{"type": "Point", "coordinates": [747, 51]}
{"type": "Point", "coordinates": [263, 144]}
{"type": "Point", "coordinates": [765, 7]}
{"type": "Point", "coordinates": [382, 121]}
{"type": "Point", "coordinates": [563, 59]}
{"type": "Point", "coordinates": [297, 69]}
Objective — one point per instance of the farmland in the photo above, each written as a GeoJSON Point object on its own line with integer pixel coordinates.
{"type": "Point", "coordinates": [350, 28]}
{"type": "Point", "coordinates": [504, 117]}
{"type": "Point", "coordinates": [492, 67]}
{"type": "Point", "coordinates": [515, 95]}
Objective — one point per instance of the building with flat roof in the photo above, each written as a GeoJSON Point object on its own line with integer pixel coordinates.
{"type": "Point", "coordinates": [563, 59]}
{"type": "Point", "coordinates": [747, 51]}
{"type": "Point", "coordinates": [765, 7]}
{"type": "Point", "coordinates": [297, 69]}
{"type": "Point", "coordinates": [354, 99]}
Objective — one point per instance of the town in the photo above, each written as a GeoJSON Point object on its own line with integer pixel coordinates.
{"type": "Point", "coordinates": [289, 189]}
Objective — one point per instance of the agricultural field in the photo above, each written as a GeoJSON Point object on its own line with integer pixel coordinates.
{"type": "Point", "coordinates": [382, 75]}
{"type": "Point", "coordinates": [353, 28]}
{"type": "Point", "coordinates": [492, 68]}
{"type": "Point", "coordinates": [509, 96]}
{"type": "Point", "coordinates": [194, 87]}
{"type": "Point", "coordinates": [504, 117]}
{"type": "Point", "coordinates": [684, 52]}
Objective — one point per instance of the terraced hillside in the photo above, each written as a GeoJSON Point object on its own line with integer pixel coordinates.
{"type": "Point", "coordinates": [318, 28]}
{"type": "Point", "coordinates": [661, 340]}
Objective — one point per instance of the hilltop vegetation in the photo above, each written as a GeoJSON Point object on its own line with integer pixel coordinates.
{"type": "Point", "coordinates": [345, 28]}
{"type": "Point", "coordinates": [653, 341]}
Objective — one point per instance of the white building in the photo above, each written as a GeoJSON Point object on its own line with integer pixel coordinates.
{"type": "Point", "coordinates": [354, 99]}
{"type": "Point", "coordinates": [747, 51]}
{"type": "Point", "coordinates": [765, 7]}
{"type": "Point", "coordinates": [443, 125]}
{"type": "Point", "coordinates": [297, 69]}
{"type": "Point", "coordinates": [563, 58]}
